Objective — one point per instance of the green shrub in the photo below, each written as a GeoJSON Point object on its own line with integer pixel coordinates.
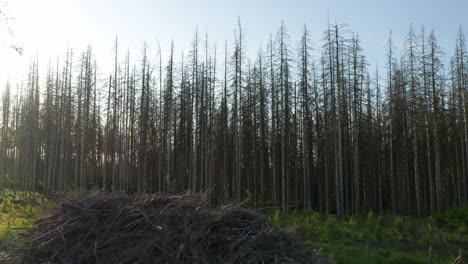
{"type": "Point", "coordinates": [392, 239]}
{"type": "Point", "coordinates": [18, 211]}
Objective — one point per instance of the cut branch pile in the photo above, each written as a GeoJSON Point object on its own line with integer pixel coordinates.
{"type": "Point", "coordinates": [116, 228]}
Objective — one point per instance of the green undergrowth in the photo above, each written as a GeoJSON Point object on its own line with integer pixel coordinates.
{"type": "Point", "coordinates": [19, 210]}
{"type": "Point", "coordinates": [381, 238]}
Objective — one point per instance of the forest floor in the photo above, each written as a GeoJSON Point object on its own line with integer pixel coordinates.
{"type": "Point", "coordinates": [365, 238]}
{"type": "Point", "coordinates": [19, 211]}
{"type": "Point", "coordinates": [370, 238]}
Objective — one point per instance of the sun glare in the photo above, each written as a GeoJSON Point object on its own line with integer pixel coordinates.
{"type": "Point", "coordinates": [38, 27]}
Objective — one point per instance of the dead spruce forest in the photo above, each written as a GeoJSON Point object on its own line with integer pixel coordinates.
{"type": "Point", "coordinates": [301, 125]}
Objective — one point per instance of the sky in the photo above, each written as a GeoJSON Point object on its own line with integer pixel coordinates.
{"type": "Point", "coordinates": [47, 27]}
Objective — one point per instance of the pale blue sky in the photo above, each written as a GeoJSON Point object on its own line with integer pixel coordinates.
{"type": "Point", "coordinates": [48, 26]}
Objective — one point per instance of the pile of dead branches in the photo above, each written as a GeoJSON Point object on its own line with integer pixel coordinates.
{"type": "Point", "coordinates": [117, 228]}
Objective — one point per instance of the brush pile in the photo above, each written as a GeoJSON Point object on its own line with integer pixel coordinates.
{"type": "Point", "coordinates": [117, 228]}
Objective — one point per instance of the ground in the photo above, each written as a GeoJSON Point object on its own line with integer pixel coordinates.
{"type": "Point", "coordinates": [365, 238]}
{"type": "Point", "coordinates": [19, 210]}
{"type": "Point", "coordinates": [381, 238]}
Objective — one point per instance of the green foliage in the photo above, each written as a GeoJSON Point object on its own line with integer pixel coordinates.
{"type": "Point", "coordinates": [430, 231]}
{"type": "Point", "coordinates": [453, 217]}
{"type": "Point", "coordinates": [18, 210]}
{"type": "Point", "coordinates": [276, 218]}
{"type": "Point", "coordinates": [378, 238]}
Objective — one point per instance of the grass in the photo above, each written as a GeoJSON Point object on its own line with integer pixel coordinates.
{"type": "Point", "coordinates": [19, 210]}
{"type": "Point", "coordinates": [371, 238]}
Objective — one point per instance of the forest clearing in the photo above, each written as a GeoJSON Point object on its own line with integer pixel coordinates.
{"type": "Point", "coordinates": [139, 138]}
